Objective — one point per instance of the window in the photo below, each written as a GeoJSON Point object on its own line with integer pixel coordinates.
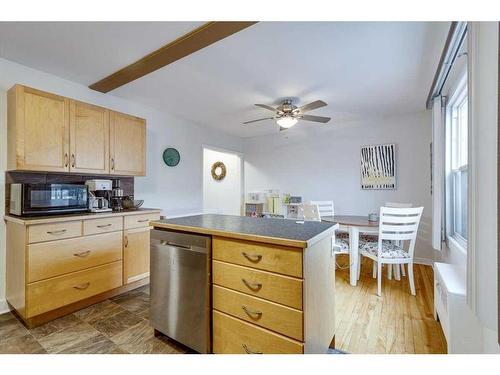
{"type": "Point", "coordinates": [457, 164]}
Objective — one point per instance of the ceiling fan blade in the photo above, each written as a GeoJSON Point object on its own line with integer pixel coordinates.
{"type": "Point", "coordinates": [315, 118]}
{"type": "Point", "coordinates": [265, 106]}
{"type": "Point", "coordinates": [261, 119]}
{"type": "Point", "coordinates": [311, 106]}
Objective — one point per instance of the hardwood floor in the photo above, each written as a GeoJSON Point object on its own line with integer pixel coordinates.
{"type": "Point", "coordinates": [397, 322]}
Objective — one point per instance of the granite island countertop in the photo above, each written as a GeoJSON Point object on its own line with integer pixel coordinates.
{"type": "Point", "coordinates": [276, 231]}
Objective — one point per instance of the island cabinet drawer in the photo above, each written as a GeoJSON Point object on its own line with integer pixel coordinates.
{"type": "Point", "coordinates": [50, 294]}
{"type": "Point", "coordinates": [234, 336]}
{"type": "Point", "coordinates": [54, 231]}
{"type": "Point", "coordinates": [277, 288]}
{"type": "Point", "coordinates": [274, 258]}
{"type": "Point", "coordinates": [106, 224]}
{"type": "Point", "coordinates": [138, 221]}
{"type": "Point", "coordinates": [49, 259]}
{"type": "Point", "coordinates": [270, 315]}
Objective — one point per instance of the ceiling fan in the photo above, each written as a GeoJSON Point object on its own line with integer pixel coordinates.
{"type": "Point", "coordinates": [287, 114]}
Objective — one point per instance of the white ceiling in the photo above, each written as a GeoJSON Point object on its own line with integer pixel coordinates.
{"type": "Point", "coordinates": [361, 69]}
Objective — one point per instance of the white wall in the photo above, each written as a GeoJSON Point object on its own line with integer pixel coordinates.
{"type": "Point", "coordinates": [485, 127]}
{"type": "Point", "coordinates": [175, 190]}
{"type": "Point", "coordinates": [323, 163]}
{"type": "Point", "coordinates": [224, 196]}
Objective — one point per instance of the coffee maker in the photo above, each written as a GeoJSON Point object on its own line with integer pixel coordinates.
{"type": "Point", "coordinates": [99, 193]}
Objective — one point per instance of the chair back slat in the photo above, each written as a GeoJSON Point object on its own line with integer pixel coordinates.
{"type": "Point", "coordinates": [325, 207]}
{"type": "Point", "coordinates": [398, 236]}
{"type": "Point", "coordinates": [398, 205]}
{"type": "Point", "coordinates": [401, 228]}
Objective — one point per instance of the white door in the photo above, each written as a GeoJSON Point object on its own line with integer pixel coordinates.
{"type": "Point", "coordinates": [222, 196]}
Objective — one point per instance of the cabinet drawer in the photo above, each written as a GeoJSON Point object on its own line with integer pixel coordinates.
{"type": "Point", "coordinates": [273, 316]}
{"type": "Point", "coordinates": [234, 336]}
{"type": "Point", "coordinates": [49, 259]}
{"type": "Point", "coordinates": [274, 258]}
{"type": "Point", "coordinates": [50, 294]}
{"type": "Point", "coordinates": [137, 221]}
{"type": "Point", "coordinates": [106, 224]}
{"type": "Point", "coordinates": [54, 231]}
{"type": "Point", "coordinates": [277, 288]}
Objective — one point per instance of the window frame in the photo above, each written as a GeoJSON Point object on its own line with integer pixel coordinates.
{"type": "Point", "coordinates": [459, 93]}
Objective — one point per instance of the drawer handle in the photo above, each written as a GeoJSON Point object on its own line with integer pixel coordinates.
{"type": "Point", "coordinates": [254, 286]}
{"type": "Point", "coordinates": [252, 313]}
{"type": "Point", "coordinates": [66, 160]}
{"type": "Point", "coordinates": [82, 286]}
{"type": "Point", "coordinates": [104, 225]}
{"type": "Point", "coordinates": [248, 351]}
{"type": "Point", "coordinates": [142, 220]}
{"type": "Point", "coordinates": [252, 257]}
{"type": "Point", "coordinates": [82, 254]}
{"type": "Point", "coordinates": [57, 231]}
{"type": "Point", "coordinates": [112, 164]}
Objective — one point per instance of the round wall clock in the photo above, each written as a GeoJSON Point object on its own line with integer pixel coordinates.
{"type": "Point", "coordinates": [171, 157]}
{"type": "Point", "coordinates": [218, 171]}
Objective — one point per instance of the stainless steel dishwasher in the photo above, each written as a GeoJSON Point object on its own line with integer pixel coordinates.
{"type": "Point", "coordinates": [179, 282]}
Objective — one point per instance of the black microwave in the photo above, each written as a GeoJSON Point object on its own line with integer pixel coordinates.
{"type": "Point", "coordinates": [44, 199]}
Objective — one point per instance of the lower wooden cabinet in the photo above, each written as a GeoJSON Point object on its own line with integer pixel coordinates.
{"type": "Point", "coordinates": [60, 291]}
{"type": "Point", "coordinates": [55, 267]}
{"type": "Point", "coordinates": [234, 336]}
{"type": "Point", "coordinates": [135, 254]}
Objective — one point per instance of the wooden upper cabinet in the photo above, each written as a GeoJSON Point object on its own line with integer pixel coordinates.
{"type": "Point", "coordinates": [51, 133]}
{"type": "Point", "coordinates": [37, 130]}
{"type": "Point", "coordinates": [127, 145]}
{"type": "Point", "coordinates": [89, 138]}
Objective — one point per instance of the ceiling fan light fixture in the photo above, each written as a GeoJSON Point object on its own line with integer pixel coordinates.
{"type": "Point", "coordinates": [286, 121]}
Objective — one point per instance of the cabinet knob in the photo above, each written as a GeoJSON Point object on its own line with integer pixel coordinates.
{"type": "Point", "coordinates": [112, 164]}
{"type": "Point", "coordinates": [66, 159]}
{"type": "Point", "coordinates": [73, 160]}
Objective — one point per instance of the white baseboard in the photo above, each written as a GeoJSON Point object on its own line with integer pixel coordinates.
{"type": "Point", "coordinates": [424, 261]}
{"type": "Point", "coordinates": [4, 307]}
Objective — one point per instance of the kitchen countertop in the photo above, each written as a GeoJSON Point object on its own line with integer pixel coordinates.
{"type": "Point", "coordinates": [77, 216]}
{"type": "Point", "coordinates": [275, 231]}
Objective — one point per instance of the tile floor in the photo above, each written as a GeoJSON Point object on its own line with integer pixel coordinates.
{"type": "Point", "coordinates": [117, 325]}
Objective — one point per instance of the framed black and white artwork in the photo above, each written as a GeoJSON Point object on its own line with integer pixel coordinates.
{"type": "Point", "coordinates": [378, 167]}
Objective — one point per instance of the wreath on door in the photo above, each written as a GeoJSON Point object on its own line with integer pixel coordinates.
{"type": "Point", "coordinates": [218, 171]}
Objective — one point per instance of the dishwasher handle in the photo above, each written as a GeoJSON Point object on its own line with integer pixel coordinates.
{"type": "Point", "coordinates": [168, 243]}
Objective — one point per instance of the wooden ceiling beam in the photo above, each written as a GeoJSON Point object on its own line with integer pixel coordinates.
{"type": "Point", "coordinates": [187, 44]}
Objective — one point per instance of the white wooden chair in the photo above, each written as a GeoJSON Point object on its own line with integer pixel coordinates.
{"type": "Point", "coordinates": [309, 212]}
{"type": "Point", "coordinates": [341, 240]}
{"type": "Point", "coordinates": [373, 237]}
{"type": "Point", "coordinates": [396, 225]}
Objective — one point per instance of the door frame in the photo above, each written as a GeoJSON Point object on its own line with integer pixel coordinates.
{"type": "Point", "coordinates": [242, 174]}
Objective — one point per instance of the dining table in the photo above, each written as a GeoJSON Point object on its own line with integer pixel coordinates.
{"type": "Point", "coordinates": [354, 225]}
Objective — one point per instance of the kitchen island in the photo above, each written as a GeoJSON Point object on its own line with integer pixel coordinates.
{"type": "Point", "coordinates": [272, 282]}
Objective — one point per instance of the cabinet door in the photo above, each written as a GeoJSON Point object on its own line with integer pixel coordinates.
{"type": "Point", "coordinates": [135, 254]}
{"type": "Point", "coordinates": [40, 122]}
{"type": "Point", "coordinates": [127, 145]}
{"type": "Point", "coordinates": [89, 138]}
